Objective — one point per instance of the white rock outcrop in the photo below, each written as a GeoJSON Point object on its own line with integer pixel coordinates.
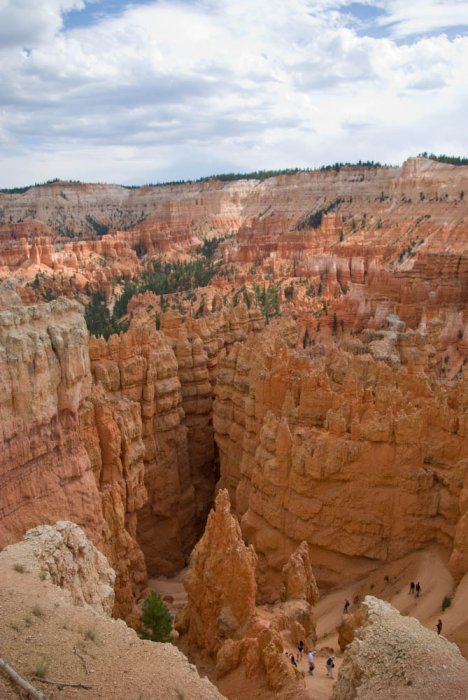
{"type": "Point", "coordinates": [67, 557]}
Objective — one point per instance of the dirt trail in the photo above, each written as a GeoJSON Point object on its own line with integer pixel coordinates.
{"type": "Point", "coordinates": [390, 583]}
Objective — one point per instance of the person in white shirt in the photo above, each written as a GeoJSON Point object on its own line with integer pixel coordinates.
{"type": "Point", "coordinates": [311, 656]}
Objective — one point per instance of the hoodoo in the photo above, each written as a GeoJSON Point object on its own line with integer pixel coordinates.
{"type": "Point", "coordinates": [290, 350]}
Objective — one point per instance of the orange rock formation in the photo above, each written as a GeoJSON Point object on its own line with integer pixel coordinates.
{"type": "Point", "coordinates": [220, 582]}
{"type": "Point", "coordinates": [221, 618]}
{"type": "Point", "coordinates": [340, 432]}
{"type": "Point", "coordinates": [303, 443]}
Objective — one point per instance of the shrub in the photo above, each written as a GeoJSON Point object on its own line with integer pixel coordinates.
{"type": "Point", "coordinates": [447, 602]}
{"type": "Point", "coordinates": [156, 621]}
{"type": "Point", "coordinates": [41, 669]}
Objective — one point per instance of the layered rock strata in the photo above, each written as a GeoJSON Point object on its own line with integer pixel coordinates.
{"type": "Point", "coordinates": [304, 442]}
{"type": "Point", "coordinates": [45, 473]}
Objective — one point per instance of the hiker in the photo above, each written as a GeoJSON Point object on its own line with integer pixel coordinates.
{"type": "Point", "coordinates": [311, 657]}
{"type": "Point", "coordinates": [346, 606]}
{"type": "Point", "coordinates": [330, 666]}
{"type": "Point", "coordinates": [411, 588]}
{"type": "Point", "coordinates": [418, 589]}
{"type": "Point", "coordinates": [300, 650]}
{"type": "Point", "coordinates": [439, 626]}
{"type": "Point", "coordinates": [293, 660]}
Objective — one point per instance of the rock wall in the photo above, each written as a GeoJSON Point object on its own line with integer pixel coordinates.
{"type": "Point", "coordinates": [45, 472]}
{"type": "Point", "coordinates": [110, 430]}
{"type": "Point", "coordinates": [362, 458]}
{"type": "Point", "coordinates": [164, 381]}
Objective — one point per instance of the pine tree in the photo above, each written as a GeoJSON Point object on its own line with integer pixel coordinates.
{"type": "Point", "coordinates": [156, 621]}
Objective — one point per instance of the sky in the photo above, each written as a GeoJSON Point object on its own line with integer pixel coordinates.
{"type": "Point", "coordinates": [158, 90]}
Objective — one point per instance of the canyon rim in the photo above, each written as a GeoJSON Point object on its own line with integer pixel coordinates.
{"type": "Point", "coordinates": [293, 346]}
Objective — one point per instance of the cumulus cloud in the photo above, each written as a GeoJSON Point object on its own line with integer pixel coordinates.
{"type": "Point", "coordinates": [29, 23]}
{"type": "Point", "coordinates": [171, 89]}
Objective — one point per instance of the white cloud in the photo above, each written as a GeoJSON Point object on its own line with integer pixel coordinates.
{"type": "Point", "coordinates": [422, 16]}
{"type": "Point", "coordinates": [28, 23]}
{"type": "Point", "coordinates": [176, 90]}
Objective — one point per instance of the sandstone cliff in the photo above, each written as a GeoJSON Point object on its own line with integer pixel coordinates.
{"type": "Point", "coordinates": [45, 473]}
{"type": "Point", "coordinates": [52, 422]}
{"type": "Point", "coordinates": [304, 442]}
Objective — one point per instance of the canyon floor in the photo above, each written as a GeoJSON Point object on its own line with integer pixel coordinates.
{"type": "Point", "coordinates": [390, 583]}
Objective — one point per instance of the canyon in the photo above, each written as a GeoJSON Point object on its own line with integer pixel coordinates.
{"type": "Point", "coordinates": [316, 381]}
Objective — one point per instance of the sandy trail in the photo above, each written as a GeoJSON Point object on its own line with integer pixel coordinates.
{"type": "Point", "coordinates": [390, 582]}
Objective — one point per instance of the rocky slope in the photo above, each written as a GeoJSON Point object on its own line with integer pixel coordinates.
{"type": "Point", "coordinates": [58, 628]}
{"type": "Point", "coordinates": [394, 656]}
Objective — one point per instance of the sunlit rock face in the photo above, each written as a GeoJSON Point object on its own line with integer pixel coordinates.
{"type": "Point", "coordinates": [45, 375]}
{"type": "Point", "coordinates": [220, 582]}
{"type": "Point", "coordinates": [362, 459]}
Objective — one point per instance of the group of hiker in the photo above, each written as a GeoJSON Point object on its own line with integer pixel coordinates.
{"type": "Point", "coordinates": [311, 656]}
{"type": "Point", "coordinates": [415, 589]}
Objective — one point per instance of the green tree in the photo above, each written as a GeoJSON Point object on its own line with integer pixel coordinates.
{"type": "Point", "coordinates": [98, 318]}
{"type": "Point", "coordinates": [156, 621]}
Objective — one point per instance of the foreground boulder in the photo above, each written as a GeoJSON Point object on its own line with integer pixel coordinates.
{"type": "Point", "coordinates": [68, 559]}
{"type": "Point", "coordinates": [396, 657]}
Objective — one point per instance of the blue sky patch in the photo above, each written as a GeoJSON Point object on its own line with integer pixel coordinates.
{"type": "Point", "coordinates": [96, 11]}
